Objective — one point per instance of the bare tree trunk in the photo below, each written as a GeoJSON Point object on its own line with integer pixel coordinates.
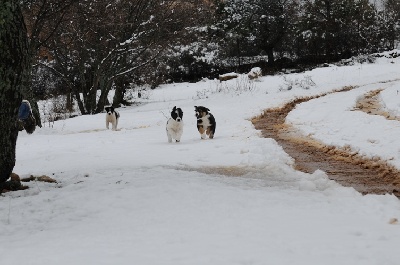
{"type": "Point", "coordinates": [270, 54]}
{"type": "Point", "coordinates": [121, 85]}
{"type": "Point", "coordinates": [103, 101]}
{"type": "Point", "coordinates": [118, 98]}
{"type": "Point", "coordinates": [35, 111]}
{"type": "Point", "coordinates": [14, 71]}
{"type": "Point", "coordinates": [80, 103]}
{"type": "Point", "coordinates": [69, 104]}
{"type": "Point", "coordinates": [90, 96]}
{"type": "Point", "coordinates": [105, 87]}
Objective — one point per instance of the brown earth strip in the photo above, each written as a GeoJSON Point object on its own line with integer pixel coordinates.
{"type": "Point", "coordinates": [368, 176]}
{"type": "Point", "coordinates": [371, 104]}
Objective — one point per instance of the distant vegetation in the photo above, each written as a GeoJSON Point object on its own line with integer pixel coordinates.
{"type": "Point", "coordinates": [84, 49]}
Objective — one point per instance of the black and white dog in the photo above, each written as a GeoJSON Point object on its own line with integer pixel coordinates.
{"type": "Point", "coordinates": [112, 116]}
{"type": "Point", "coordinates": [175, 125]}
{"type": "Point", "coordinates": [205, 122]}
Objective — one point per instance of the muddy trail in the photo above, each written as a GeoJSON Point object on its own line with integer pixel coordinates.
{"type": "Point", "coordinates": [342, 165]}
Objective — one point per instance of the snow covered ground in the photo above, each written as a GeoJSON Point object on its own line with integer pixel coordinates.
{"type": "Point", "coordinates": [130, 197]}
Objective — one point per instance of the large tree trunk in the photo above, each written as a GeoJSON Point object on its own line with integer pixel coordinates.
{"type": "Point", "coordinates": [80, 102]}
{"type": "Point", "coordinates": [14, 69]}
{"type": "Point", "coordinates": [105, 87]}
{"type": "Point", "coordinates": [90, 96]}
{"type": "Point", "coordinates": [118, 98]}
{"type": "Point", "coordinates": [121, 85]}
{"type": "Point", "coordinates": [270, 54]}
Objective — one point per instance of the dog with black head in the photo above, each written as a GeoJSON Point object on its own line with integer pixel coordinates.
{"type": "Point", "coordinates": [205, 122]}
{"type": "Point", "coordinates": [175, 125]}
{"type": "Point", "coordinates": [112, 116]}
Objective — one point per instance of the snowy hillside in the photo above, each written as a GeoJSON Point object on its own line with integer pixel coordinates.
{"type": "Point", "coordinates": [130, 197]}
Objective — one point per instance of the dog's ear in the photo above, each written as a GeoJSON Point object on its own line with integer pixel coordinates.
{"type": "Point", "coordinates": [174, 108]}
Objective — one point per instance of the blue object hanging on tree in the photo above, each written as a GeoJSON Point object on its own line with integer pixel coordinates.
{"type": "Point", "coordinates": [25, 116]}
{"type": "Point", "coordinates": [24, 110]}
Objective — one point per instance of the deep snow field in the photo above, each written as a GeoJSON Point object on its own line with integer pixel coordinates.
{"type": "Point", "coordinates": [130, 197]}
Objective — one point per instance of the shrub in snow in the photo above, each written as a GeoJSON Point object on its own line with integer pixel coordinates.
{"type": "Point", "coordinates": [360, 59]}
{"type": "Point", "coordinates": [306, 83]}
{"type": "Point", "coordinates": [255, 73]}
{"type": "Point", "coordinates": [55, 109]}
{"type": "Point", "coordinates": [241, 85]}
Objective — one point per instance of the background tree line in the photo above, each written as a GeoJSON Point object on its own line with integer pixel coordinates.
{"type": "Point", "coordinates": [308, 30]}
{"type": "Point", "coordinates": [82, 47]}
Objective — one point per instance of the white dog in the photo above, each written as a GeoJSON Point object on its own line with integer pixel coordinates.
{"type": "Point", "coordinates": [112, 116]}
{"type": "Point", "coordinates": [175, 125]}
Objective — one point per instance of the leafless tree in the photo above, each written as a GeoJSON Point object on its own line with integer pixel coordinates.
{"type": "Point", "coordinates": [42, 18]}
{"type": "Point", "coordinates": [109, 40]}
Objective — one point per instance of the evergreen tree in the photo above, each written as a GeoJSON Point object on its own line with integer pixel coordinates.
{"type": "Point", "coordinates": [255, 25]}
{"type": "Point", "coordinates": [337, 29]}
{"type": "Point", "coordinates": [389, 30]}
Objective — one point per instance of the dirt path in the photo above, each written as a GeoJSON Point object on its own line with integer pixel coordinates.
{"type": "Point", "coordinates": [371, 104]}
{"type": "Point", "coordinates": [342, 165]}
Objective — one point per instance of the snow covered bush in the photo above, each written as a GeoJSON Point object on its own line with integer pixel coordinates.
{"type": "Point", "coordinates": [56, 108]}
{"type": "Point", "coordinates": [305, 82]}
{"type": "Point", "coordinates": [241, 84]}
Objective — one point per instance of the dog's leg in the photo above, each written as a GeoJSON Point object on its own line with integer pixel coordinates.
{"type": "Point", "coordinates": [116, 124]}
{"type": "Point", "coordinates": [210, 133]}
{"type": "Point", "coordinates": [107, 125]}
{"type": "Point", "coordinates": [202, 132]}
{"type": "Point", "coordinates": [178, 136]}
